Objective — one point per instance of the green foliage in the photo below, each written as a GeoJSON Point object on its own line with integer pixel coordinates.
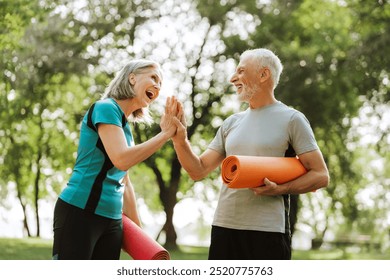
{"type": "Point", "coordinates": [324, 47]}
{"type": "Point", "coordinates": [57, 58]}
{"type": "Point", "coordinates": [372, 26]}
{"type": "Point", "coordinates": [39, 139]}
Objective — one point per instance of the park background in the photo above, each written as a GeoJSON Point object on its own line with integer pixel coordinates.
{"type": "Point", "coordinates": [57, 57]}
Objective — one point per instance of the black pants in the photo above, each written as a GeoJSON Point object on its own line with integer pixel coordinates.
{"type": "Point", "coordinates": [81, 235]}
{"type": "Point", "coordinates": [233, 244]}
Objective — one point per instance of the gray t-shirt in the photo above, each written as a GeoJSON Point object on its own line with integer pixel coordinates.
{"type": "Point", "coordinates": [266, 131]}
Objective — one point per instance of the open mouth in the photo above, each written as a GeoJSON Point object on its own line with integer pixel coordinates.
{"type": "Point", "coordinates": [149, 94]}
{"type": "Point", "coordinates": [238, 86]}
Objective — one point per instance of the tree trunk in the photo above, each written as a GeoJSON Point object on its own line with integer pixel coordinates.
{"type": "Point", "coordinates": [168, 199]}
{"type": "Point", "coordinates": [36, 191]}
{"type": "Point", "coordinates": [25, 224]}
{"type": "Point", "coordinates": [168, 228]}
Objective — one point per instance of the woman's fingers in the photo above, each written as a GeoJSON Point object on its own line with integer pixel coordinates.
{"type": "Point", "coordinates": [171, 106]}
{"type": "Point", "coordinates": [167, 105]}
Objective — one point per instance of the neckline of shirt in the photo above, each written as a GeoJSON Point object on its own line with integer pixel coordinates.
{"type": "Point", "coordinates": [277, 103]}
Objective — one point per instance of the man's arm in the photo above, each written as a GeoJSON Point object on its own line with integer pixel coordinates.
{"type": "Point", "coordinates": [317, 177]}
{"type": "Point", "coordinates": [196, 166]}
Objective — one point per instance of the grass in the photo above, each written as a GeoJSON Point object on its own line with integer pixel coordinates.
{"type": "Point", "coordinates": [25, 249]}
{"type": "Point", "coordinates": [40, 249]}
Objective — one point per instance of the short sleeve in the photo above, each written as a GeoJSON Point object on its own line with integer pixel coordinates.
{"type": "Point", "coordinates": [301, 134]}
{"type": "Point", "coordinates": [107, 113]}
{"type": "Point", "coordinates": [218, 143]}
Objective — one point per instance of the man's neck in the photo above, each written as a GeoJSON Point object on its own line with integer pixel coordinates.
{"type": "Point", "coordinates": [261, 101]}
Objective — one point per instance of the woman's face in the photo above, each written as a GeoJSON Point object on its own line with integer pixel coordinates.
{"type": "Point", "coordinates": [146, 85]}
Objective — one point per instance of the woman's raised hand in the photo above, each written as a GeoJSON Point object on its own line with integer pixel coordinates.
{"type": "Point", "coordinates": [168, 123]}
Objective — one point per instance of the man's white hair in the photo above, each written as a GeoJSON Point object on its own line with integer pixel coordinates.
{"type": "Point", "coordinates": [266, 58]}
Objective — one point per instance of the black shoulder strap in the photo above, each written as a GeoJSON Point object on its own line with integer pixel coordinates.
{"type": "Point", "coordinates": [89, 121]}
{"type": "Point", "coordinates": [124, 120]}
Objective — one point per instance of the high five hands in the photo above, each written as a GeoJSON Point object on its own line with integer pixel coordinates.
{"type": "Point", "coordinates": [173, 121]}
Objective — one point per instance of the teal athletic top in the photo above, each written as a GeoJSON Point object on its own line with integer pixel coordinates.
{"type": "Point", "coordinates": [95, 182]}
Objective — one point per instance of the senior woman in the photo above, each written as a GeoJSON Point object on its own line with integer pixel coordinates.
{"type": "Point", "coordinates": [87, 220]}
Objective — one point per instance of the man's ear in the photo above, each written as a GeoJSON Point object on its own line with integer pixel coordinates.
{"type": "Point", "coordinates": [265, 74]}
{"type": "Point", "coordinates": [132, 79]}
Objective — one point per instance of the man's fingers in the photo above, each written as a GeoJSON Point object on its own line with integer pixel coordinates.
{"type": "Point", "coordinates": [178, 123]}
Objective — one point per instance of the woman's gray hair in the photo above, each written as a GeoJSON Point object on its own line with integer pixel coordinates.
{"type": "Point", "coordinates": [120, 88]}
{"type": "Point", "coordinates": [266, 58]}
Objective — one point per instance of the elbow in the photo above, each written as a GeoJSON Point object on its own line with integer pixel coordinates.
{"type": "Point", "coordinates": [327, 180]}
{"type": "Point", "coordinates": [199, 171]}
{"type": "Point", "coordinates": [196, 176]}
{"type": "Point", "coordinates": [324, 180]}
{"type": "Point", "coordinates": [121, 167]}
{"type": "Point", "coordinates": [120, 164]}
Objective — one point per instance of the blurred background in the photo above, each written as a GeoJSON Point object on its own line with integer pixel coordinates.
{"type": "Point", "coordinates": [58, 56]}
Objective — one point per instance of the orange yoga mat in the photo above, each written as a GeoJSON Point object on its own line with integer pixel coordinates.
{"type": "Point", "coordinates": [250, 171]}
{"type": "Point", "coordinates": [139, 245]}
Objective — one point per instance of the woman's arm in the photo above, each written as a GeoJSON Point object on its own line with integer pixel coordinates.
{"type": "Point", "coordinates": [121, 155]}
{"type": "Point", "coordinates": [129, 201]}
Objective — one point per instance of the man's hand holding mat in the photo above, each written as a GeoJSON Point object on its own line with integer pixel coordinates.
{"type": "Point", "coordinates": [250, 171]}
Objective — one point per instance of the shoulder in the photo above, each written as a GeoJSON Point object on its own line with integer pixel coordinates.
{"type": "Point", "coordinates": [285, 108]}
{"type": "Point", "coordinates": [229, 121]}
{"type": "Point", "coordinates": [291, 113]}
{"type": "Point", "coordinates": [107, 111]}
{"type": "Point", "coordinates": [107, 107]}
{"type": "Point", "coordinates": [105, 104]}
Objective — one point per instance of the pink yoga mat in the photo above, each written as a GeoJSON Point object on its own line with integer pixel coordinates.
{"type": "Point", "coordinates": [139, 245]}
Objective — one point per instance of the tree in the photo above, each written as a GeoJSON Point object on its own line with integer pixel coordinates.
{"type": "Point", "coordinates": [13, 30]}
{"type": "Point", "coordinates": [315, 42]}
{"type": "Point", "coordinates": [201, 84]}
{"type": "Point", "coordinates": [57, 57]}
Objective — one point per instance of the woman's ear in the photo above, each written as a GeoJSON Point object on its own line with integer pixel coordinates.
{"type": "Point", "coordinates": [132, 79]}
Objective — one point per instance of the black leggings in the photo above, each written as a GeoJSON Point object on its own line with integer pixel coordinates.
{"type": "Point", "coordinates": [233, 244]}
{"type": "Point", "coordinates": [81, 235]}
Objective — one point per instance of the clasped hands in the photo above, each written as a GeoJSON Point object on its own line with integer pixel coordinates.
{"type": "Point", "coordinates": [173, 121]}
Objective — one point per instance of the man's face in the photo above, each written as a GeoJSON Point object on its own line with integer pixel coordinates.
{"type": "Point", "coordinates": [246, 79]}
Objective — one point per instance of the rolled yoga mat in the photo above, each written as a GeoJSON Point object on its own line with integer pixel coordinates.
{"type": "Point", "coordinates": [250, 171]}
{"type": "Point", "coordinates": [139, 245]}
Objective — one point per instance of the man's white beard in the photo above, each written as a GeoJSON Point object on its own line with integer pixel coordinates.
{"type": "Point", "coordinates": [247, 94]}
